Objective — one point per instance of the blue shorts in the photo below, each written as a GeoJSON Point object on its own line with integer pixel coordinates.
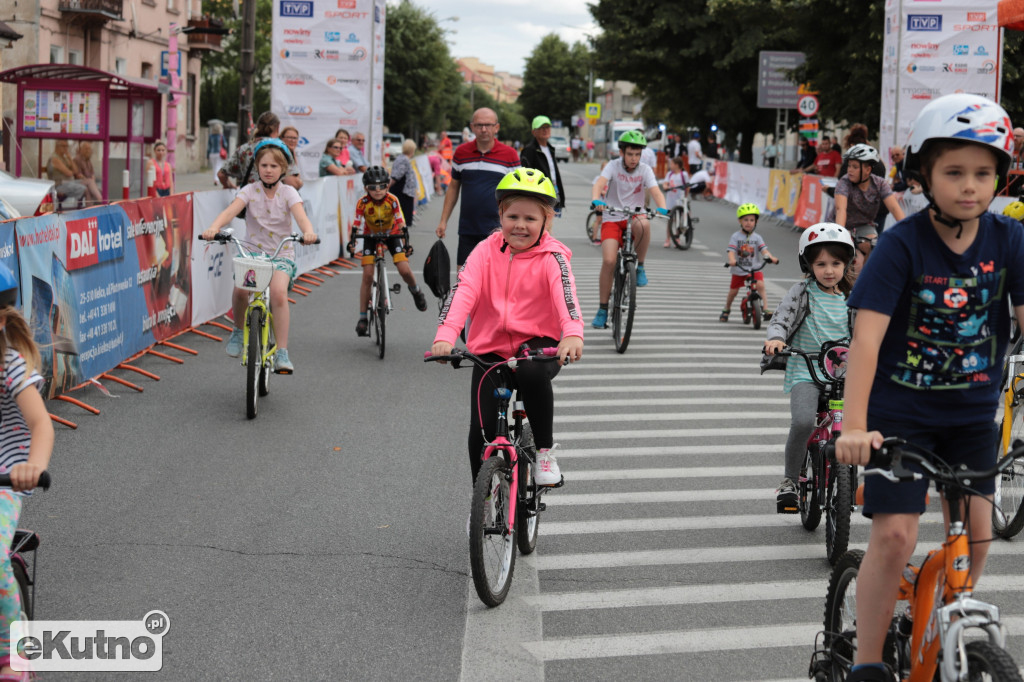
{"type": "Point", "coordinates": [973, 445]}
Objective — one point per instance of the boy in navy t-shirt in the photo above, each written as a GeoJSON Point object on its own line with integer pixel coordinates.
{"type": "Point", "coordinates": [931, 330]}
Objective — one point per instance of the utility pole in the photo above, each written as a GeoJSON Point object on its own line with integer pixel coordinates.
{"type": "Point", "coordinates": [248, 68]}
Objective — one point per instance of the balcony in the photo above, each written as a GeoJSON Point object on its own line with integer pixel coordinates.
{"type": "Point", "coordinates": [92, 11]}
{"type": "Point", "coordinates": [205, 34]}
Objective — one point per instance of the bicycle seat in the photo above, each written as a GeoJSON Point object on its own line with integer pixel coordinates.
{"type": "Point", "coordinates": [24, 541]}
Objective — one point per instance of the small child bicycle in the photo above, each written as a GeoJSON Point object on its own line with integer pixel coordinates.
{"type": "Point", "coordinates": [253, 271]}
{"type": "Point", "coordinates": [505, 509]}
{"type": "Point", "coordinates": [752, 307]}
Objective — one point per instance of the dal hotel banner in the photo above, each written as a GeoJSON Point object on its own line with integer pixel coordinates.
{"type": "Point", "coordinates": [933, 48]}
{"type": "Point", "coordinates": [328, 73]}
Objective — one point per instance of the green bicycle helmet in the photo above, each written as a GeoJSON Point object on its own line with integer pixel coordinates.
{"type": "Point", "coordinates": [632, 138]}
{"type": "Point", "coordinates": [528, 181]}
{"type": "Point", "coordinates": [748, 209]}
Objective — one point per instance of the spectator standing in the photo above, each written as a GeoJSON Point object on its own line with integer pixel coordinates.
{"type": "Point", "coordinates": [61, 169]}
{"type": "Point", "coordinates": [771, 151]}
{"type": "Point", "coordinates": [805, 164]}
{"type": "Point", "coordinates": [435, 168]}
{"type": "Point", "coordinates": [828, 160]}
{"type": "Point", "coordinates": [164, 183]}
{"type": "Point", "coordinates": [85, 173]}
{"type": "Point", "coordinates": [897, 176]}
{"type": "Point", "coordinates": [268, 125]}
{"type": "Point", "coordinates": [404, 184]}
{"type": "Point", "coordinates": [341, 157]}
{"type": "Point", "coordinates": [695, 157]}
{"type": "Point", "coordinates": [478, 166]}
{"type": "Point", "coordinates": [290, 137]}
{"type": "Point", "coordinates": [538, 153]}
{"type": "Point", "coordinates": [216, 149]}
{"type": "Point", "coordinates": [355, 152]}
{"type": "Point", "coordinates": [575, 146]}
{"type": "Point", "coordinates": [329, 164]}
{"type": "Point", "coordinates": [590, 150]}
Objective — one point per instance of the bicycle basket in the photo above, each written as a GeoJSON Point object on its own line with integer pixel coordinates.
{"type": "Point", "coordinates": [252, 274]}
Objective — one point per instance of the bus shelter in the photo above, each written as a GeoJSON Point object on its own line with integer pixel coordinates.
{"type": "Point", "coordinates": [65, 101]}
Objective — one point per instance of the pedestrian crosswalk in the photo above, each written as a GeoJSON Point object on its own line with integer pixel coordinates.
{"type": "Point", "coordinates": [663, 557]}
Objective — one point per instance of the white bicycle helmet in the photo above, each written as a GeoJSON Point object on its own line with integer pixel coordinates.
{"type": "Point", "coordinates": [862, 152]}
{"type": "Point", "coordinates": [966, 118]}
{"type": "Point", "coordinates": [824, 233]}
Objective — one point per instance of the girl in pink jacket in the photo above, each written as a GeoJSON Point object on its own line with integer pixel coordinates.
{"type": "Point", "coordinates": [518, 288]}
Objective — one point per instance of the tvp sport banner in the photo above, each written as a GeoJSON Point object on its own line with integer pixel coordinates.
{"type": "Point", "coordinates": [932, 49]}
{"type": "Point", "coordinates": [328, 72]}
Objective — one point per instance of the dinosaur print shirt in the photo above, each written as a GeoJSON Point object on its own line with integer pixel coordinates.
{"type": "Point", "coordinates": [941, 357]}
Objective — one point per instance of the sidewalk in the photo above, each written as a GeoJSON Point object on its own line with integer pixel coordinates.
{"type": "Point", "coordinates": [195, 182]}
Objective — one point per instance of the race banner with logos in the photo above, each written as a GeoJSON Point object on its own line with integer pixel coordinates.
{"type": "Point", "coordinates": [328, 70]}
{"type": "Point", "coordinates": [932, 49]}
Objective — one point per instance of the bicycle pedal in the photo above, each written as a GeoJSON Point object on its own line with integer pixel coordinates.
{"type": "Point", "coordinates": [787, 507]}
{"type": "Point", "coordinates": [541, 507]}
{"type": "Point", "coordinates": [284, 371]}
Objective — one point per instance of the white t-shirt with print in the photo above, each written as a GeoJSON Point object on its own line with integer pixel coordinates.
{"type": "Point", "coordinates": [626, 190]}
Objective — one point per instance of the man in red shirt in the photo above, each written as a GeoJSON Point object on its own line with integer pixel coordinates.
{"type": "Point", "coordinates": [829, 160]}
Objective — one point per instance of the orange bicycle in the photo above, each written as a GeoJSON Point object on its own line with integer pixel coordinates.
{"type": "Point", "coordinates": [926, 640]}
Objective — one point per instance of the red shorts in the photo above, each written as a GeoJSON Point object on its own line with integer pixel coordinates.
{"type": "Point", "coordinates": [613, 230]}
{"type": "Point", "coordinates": [740, 281]}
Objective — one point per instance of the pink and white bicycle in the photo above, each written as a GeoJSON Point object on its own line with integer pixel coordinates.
{"type": "Point", "coordinates": [506, 506]}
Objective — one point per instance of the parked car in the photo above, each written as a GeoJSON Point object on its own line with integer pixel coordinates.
{"type": "Point", "coordinates": [392, 146]}
{"type": "Point", "coordinates": [27, 196]}
{"type": "Point", "coordinates": [561, 146]}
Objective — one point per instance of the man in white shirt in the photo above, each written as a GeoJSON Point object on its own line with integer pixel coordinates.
{"type": "Point", "coordinates": [694, 154]}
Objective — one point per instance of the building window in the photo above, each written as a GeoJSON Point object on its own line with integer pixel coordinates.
{"type": "Point", "coordinates": [120, 66]}
{"type": "Point", "coordinates": [190, 124]}
{"type": "Point", "coordinates": [56, 54]}
{"type": "Point", "coordinates": [171, 5]}
{"type": "Point", "coordinates": [74, 57]}
{"type": "Point", "coordinates": [147, 70]}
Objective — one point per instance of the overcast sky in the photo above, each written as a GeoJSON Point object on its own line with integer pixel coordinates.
{"type": "Point", "coordinates": [504, 32]}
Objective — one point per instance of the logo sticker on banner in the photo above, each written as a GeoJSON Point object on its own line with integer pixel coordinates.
{"type": "Point", "coordinates": [924, 22]}
{"type": "Point", "coordinates": [297, 8]}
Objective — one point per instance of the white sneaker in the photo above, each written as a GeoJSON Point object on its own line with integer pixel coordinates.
{"type": "Point", "coordinates": [546, 471]}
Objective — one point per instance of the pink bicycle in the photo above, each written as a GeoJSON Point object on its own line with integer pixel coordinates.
{"type": "Point", "coordinates": [503, 513]}
{"type": "Point", "coordinates": [825, 486]}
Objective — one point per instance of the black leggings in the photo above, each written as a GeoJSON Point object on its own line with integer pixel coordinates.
{"type": "Point", "coordinates": [532, 381]}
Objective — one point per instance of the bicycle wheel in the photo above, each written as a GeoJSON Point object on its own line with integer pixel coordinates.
{"type": "Point", "coordinates": [379, 303]}
{"type": "Point", "coordinates": [1008, 507]}
{"type": "Point", "coordinates": [838, 508]}
{"type": "Point", "coordinates": [24, 591]}
{"type": "Point", "coordinates": [755, 313]}
{"type": "Point", "coordinates": [841, 614]}
{"type": "Point", "coordinates": [676, 227]}
{"type": "Point", "coordinates": [810, 506]}
{"type": "Point", "coordinates": [492, 544]}
{"type": "Point", "coordinates": [527, 512]}
{"type": "Point", "coordinates": [593, 226]}
{"type": "Point", "coordinates": [266, 370]}
{"type": "Point", "coordinates": [986, 661]}
{"type": "Point", "coordinates": [625, 307]}
{"type": "Point", "coordinates": [688, 235]}
{"type": "Point", "coordinates": [253, 362]}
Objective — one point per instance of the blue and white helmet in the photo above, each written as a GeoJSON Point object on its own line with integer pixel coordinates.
{"type": "Point", "coordinates": [965, 118]}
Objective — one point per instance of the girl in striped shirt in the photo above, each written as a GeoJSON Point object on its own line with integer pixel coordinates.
{"type": "Point", "coordinates": [813, 312]}
{"type": "Point", "coordinates": [26, 442]}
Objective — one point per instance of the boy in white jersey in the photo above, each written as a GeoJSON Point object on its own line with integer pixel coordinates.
{"type": "Point", "coordinates": [628, 182]}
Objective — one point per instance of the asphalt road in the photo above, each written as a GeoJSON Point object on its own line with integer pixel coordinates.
{"type": "Point", "coordinates": [326, 539]}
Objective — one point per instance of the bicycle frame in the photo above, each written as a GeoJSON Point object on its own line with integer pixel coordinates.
{"type": "Point", "coordinates": [383, 283]}
{"type": "Point", "coordinates": [260, 301]}
{"type": "Point", "coordinates": [502, 443]}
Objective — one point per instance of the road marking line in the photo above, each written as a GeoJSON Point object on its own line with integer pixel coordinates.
{"type": "Point", "coordinates": [672, 450]}
{"type": "Point", "coordinates": [655, 402]}
{"type": "Point", "coordinates": [634, 434]}
{"type": "Point", "coordinates": [660, 496]}
{"type": "Point", "coordinates": [668, 416]}
{"type": "Point", "coordinates": [672, 472]}
{"type": "Point", "coordinates": [684, 523]}
{"type": "Point", "coordinates": [689, 388]}
{"type": "Point", "coordinates": [604, 376]}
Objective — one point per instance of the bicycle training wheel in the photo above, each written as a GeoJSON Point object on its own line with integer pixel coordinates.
{"type": "Point", "coordinates": [266, 370]}
{"type": "Point", "coordinates": [253, 362]}
{"type": "Point", "coordinates": [492, 544]}
{"type": "Point", "coordinates": [527, 512]}
{"type": "Point", "coordinates": [1008, 507]}
{"type": "Point", "coordinates": [593, 226]}
{"type": "Point", "coordinates": [625, 307]}
{"type": "Point", "coordinates": [756, 313]}
{"type": "Point", "coordinates": [838, 507]}
{"type": "Point", "coordinates": [810, 506]}
{"type": "Point", "coordinates": [841, 614]}
{"type": "Point", "coordinates": [986, 661]}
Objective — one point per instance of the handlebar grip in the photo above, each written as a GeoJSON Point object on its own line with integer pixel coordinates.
{"type": "Point", "coordinates": [44, 480]}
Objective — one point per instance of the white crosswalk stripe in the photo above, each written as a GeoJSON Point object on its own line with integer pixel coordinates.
{"type": "Point", "coordinates": [664, 550]}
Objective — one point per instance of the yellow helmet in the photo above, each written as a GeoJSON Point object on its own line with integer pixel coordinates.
{"type": "Point", "coordinates": [747, 209]}
{"type": "Point", "coordinates": [1015, 210]}
{"type": "Point", "coordinates": [528, 181]}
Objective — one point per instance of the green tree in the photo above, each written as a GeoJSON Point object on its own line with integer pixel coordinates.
{"type": "Point", "coordinates": [421, 79]}
{"type": "Point", "coordinates": [555, 80]}
{"type": "Point", "coordinates": [694, 61]}
{"type": "Point", "coordinates": [220, 90]}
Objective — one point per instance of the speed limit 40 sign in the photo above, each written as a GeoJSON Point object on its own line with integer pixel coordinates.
{"type": "Point", "coordinates": [807, 105]}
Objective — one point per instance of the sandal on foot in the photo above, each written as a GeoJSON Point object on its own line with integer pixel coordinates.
{"type": "Point", "coordinates": [724, 317]}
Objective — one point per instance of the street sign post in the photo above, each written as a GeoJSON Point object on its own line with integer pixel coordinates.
{"type": "Point", "coordinates": [807, 105]}
{"type": "Point", "coordinates": [775, 90]}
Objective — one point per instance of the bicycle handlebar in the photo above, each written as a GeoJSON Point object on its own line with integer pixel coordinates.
{"type": "Point", "coordinates": [227, 236]}
{"type": "Point", "coordinates": [809, 359]}
{"type": "Point", "coordinates": [767, 262]}
{"type": "Point", "coordinates": [458, 355]}
{"type": "Point", "coordinates": [44, 480]}
{"type": "Point", "coordinates": [888, 463]}
{"type": "Point", "coordinates": [632, 212]}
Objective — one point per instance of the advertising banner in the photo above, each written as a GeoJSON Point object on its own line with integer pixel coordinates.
{"type": "Point", "coordinates": [933, 49]}
{"type": "Point", "coordinates": [783, 191]}
{"type": "Point", "coordinates": [323, 73]}
{"type": "Point", "coordinates": [747, 184]}
{"type": "Point", "coordinates": [424, 178]}
{"type": "Point", "coordinates": [813, 203]}
{"type": "Point", "coordinates": [720, 183]}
